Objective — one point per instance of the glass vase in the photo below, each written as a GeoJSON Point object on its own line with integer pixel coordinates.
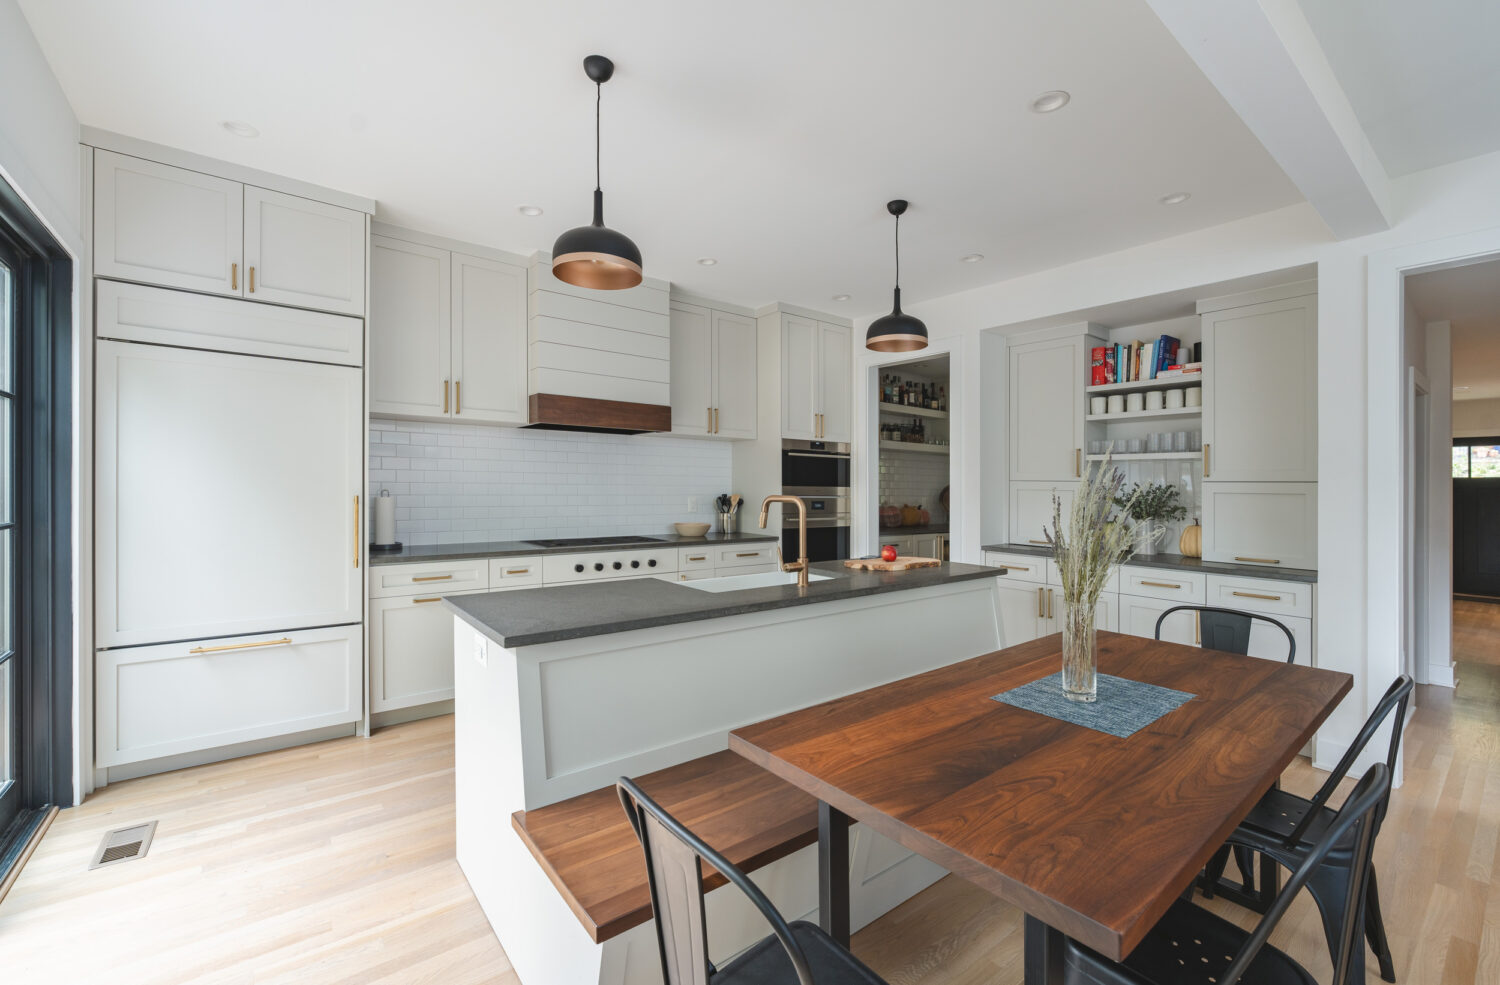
{"type": "Point", "coordinates": [1080, 655]}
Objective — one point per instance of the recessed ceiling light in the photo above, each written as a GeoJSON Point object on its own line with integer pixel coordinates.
{"type": "Point", "coordinates": [530, 210]}
{"type": "Point", "coordinates": [971, 258]}
{"type": "Point", "coordinates": [841, 297]}
{"type": "Point", "coordinates": [1050, 102]}
{"type": "Point", "coordinates": [1176, 198]}
{"type": "Point", "coordinates": [240, 128]}
{"type": "Point", "coordinates": [706, 261]}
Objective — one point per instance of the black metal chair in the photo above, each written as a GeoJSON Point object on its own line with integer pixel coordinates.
{"type": "Point", "coordinates": [1190, 944]}
{"type": "Point", "coordinates": [1283, 827]}
{"type": "Point", "coordinates": [1228, 630]}
{"type": "Point", "coordinates": [798, 952]}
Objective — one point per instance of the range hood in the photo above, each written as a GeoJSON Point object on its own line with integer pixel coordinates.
{"type": "Point", "coordinates": [597, 360]}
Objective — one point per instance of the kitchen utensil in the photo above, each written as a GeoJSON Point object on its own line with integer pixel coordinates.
{"type": "Point", "coordinates": [729, 522]}
{"type": "Point", "coordinates": [691, 529]}
{"type": "Point", "coordinates": [900, 564]}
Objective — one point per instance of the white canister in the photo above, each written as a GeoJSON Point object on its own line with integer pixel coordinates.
{"type": "Point", "coordinates": [1097, 405]}
{"type": "Point", "coordinates": [1195, 396]}
{"type": "Point", "coordinates": [1153, 400]}
{"type": "Point", "coordinates": [1134, 402]}
{"type": "Point", "coordinates": [1174, 400]}
{"type": "Point", "coordinates": [1116, 403]}
{"type": "Point", "coordinates": [385, 519]}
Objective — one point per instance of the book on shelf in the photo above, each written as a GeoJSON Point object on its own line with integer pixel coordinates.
{"type": "Point", "coordinates": [1101, 366]}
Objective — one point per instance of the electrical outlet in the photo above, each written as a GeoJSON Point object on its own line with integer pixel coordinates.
{"type": "Point", "coordinates": [692, 504]}
{"type": "Point", "coordinates": [481, 651]}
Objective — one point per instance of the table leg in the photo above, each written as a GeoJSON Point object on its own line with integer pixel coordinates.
{"type": "Point", "coordinates": [833, 872]}
{"type": "Point", "coordinates": [1043, 954]}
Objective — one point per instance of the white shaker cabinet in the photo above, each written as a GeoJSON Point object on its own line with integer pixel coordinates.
{"type": "Point", "coordinates": [174, 227]}
{"type": "Point", "coordinates": [1262, 523]}
{"type": "Point", "coordinates": [410, 329]}
{"type": "Point", "coordinates": [303, 253]}
{"type": "Point", "coordinates": [816, 363]}
{"type": "Point", "coordinates": [835, 355]}
{"type": "Point", "coordinates": [1031, 509]}
{"type": "Point", "coordinates": [713, 372]}
{"type": "Point", "coordinates": [1138, 615]}
{"type": "Point", "coordinates": [1260, 396]}
{"type": "Point", "coordinates": [411, 650]}
{"type": "Point", "coordinates": [168, 226]}
{"type": "Point", "coordinates": [489, 341]}
{"type": "Point", "coordinates": [735, 377]}
{"type": "Point", "coordinates": [1021, 611]}
{"type": "Point", "coordinates": [1047, 409]}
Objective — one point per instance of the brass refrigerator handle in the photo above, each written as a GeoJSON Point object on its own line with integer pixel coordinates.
{"type": "Point", "coordinates": [356, 531]}
{"type": "Point", "coordinates": [234, 276]}
{"type": "Point", "coordinates": [458, 404]}
{"type": "Point", "coordinates": [284, 641]}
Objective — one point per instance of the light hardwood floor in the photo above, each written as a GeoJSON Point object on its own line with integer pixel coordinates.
{"type": "Point", "coordinates": [1476, 632]}
{"type": "Point", "coordinates": [334, 863]}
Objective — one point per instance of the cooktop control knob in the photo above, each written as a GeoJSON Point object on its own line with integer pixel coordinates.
{"type": "Point", "coordinates": [598, 566]}
{"type": "Point", "coordinates": [635, 564]}
{"type": "Point", "coordinates": [651, 563]}
{"type": "Point", "coordinates": [618, 566]}
{"type": "Point", "coordinates": [577, 567]}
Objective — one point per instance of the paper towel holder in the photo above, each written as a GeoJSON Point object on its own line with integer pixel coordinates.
{"type": "Point", "coordinates": [394, 546]}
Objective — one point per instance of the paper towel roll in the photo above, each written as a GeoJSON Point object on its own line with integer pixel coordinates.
{"type": "Point", "coordinates": [385, 518]}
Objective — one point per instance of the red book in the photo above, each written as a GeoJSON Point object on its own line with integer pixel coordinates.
{"type": "Point", "coordinates": [1099, 367]}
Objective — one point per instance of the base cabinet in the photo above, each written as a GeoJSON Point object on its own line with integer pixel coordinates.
{"type": "Point", "coordinates": [411, 651]}
{"type": "Point", "coordinates": [174, 698]}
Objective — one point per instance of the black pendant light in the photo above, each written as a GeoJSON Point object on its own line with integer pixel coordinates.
{"type": "Point", "coordinates": [896, 332]}
{"type": "Point", "coordinates": [596, 256]}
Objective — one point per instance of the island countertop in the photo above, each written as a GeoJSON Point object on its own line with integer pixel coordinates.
{"type": "Point", "coordinates": [567, 612]}
{"type": "Point", "coordinates": [527, 548]}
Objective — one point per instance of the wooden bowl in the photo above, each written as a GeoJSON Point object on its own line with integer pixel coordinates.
{"type": "Point", "coordinates": [691, 529]}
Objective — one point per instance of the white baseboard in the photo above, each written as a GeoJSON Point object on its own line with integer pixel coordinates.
{"type": "Point", "coordinates": [1441, 675]}
{"type": "Point", "coordinates": [130, 771]}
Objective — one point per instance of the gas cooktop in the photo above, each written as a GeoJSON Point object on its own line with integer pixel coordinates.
{"type": "Point", "coordinates": [587, 542]}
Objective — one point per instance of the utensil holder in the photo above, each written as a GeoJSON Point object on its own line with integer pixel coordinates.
{"type": "Point", "coordinates": [729, 523]}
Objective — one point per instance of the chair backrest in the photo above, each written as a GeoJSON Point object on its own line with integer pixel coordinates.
{"type": "Point", "coordinates": [1354, 825]}
{"type": "Point", "coordinates": [1228, 630]}
{"type": "Point", "coordinates": [674, 865]}
{"type": "Point", "coordinates": [1395, 698]}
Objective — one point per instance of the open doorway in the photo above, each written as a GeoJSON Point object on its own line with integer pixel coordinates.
{"type": "Point", "coordinates": [915, 477]}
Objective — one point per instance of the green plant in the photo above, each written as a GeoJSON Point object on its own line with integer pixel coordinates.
{"type": "Point", "coordinates": [1154, 502]}
{"type": "Point", "coordinates": [1091, 542]}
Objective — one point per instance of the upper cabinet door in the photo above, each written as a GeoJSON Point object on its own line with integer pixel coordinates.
{"type": "Point", "coordinates": [834, 370]}
{"type": "Point", "coordinates": [799, 377]}
{"type": "Point", "coordinates": [489, 341]}
{"type": "Point", "coordinates": [1046, 409]}
{"type": "Point", "coordinates": [734, 374]}
{"type": "Point", "coordinates": [1260, 395]}
{"type": "Point", "coordinates": [410, 360]}
{"type": "Point", "coordinates": [692, 369]}
{"type": "Point", "coordinates": [169, 226]}
{"type": "Point", "coordinates": [303, 253]}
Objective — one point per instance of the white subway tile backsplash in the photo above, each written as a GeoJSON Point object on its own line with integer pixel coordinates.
{"type": "Point", "coordinates": [466, 483]}
{"type": "Point", "coordinates": [909, 478]}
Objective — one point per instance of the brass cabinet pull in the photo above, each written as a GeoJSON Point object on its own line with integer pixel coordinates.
{"type": "Point", "coordinates": [1198, 628]}
{"type": "Point", "coordinates": [1041, 606]}
{"type": "Point", "coordinates": [698, 557]}
{"type": "Point", "coordinates": [1253, 595]}
{"type": "Point", "coordinates": [749, 554]}
{"type": "Point", "coordinates": [432, 599]}
{"type": "Point", "coordinates": [716, 420]}
{"type": "Point", "coordinates": [1078, 462]}
{"type": "Point", "coordinates": [1205, 459]}
{"type": "Point", "coordinates": [1259, 560]}
{"type": "Point", "coordinates": [445, 396]}
{"type": "Point", "coordinates": [458, 404]}
{"type": "Point", "coordinates": [1018, 567]}
{"type": "Point", "coordinates": [1036, 542]}
{"type": "Point", "coordinates": [518, 571]}
{"type": "Point", "coordinates": [252, 280]}
{"type": "Point", "coordinates": [1049, 603]}
{"type": "Point", "coordinates": [432, 578]}
{"type": "Point", "coordinates": [1161, 584]}
{"type": "Point", "coordinates": [356, 531]}
{"type": "Point", "coordinates": [234, 276]}
{"type": "Point", "coordinates": [284, 641]}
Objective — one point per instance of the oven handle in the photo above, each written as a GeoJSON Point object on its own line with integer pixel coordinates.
{"type": "Point", "coordinates": [822, 456]}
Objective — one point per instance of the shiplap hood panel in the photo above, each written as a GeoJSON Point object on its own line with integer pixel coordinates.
{"type": "Point", "coordinates": [598, 360]}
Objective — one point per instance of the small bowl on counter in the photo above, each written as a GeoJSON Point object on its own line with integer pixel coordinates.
{"type": "Point", "coordinates": [691, 529]}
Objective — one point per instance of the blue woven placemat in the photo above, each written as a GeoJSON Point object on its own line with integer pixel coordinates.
{"type": "Point", "coordinates": [1123, 708]}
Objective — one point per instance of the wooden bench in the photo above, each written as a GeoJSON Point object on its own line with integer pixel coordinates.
{"type": "Point", "coordinates": [587, 848]}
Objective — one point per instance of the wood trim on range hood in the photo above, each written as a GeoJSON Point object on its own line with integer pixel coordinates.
{"type": "Point", "coordinates": [561, 413]}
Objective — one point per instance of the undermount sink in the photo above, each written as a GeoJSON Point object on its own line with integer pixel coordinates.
{"type": "Point", "coordinates": [738, 583]}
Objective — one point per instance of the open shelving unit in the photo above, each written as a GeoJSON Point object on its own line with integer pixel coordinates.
{"type": "Point", "coordinates": [1150, 456]}
{"type": "Point", "coordinates": [1169, 383]}
{"type": "Point", "coordinates": [914, 446]}
{"type": "Point", "coordinates": [1165, 414]}
{"type": "Point", "coordinates": [901, 410]}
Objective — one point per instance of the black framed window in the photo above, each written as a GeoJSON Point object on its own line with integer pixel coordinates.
{"type": "Point", "coordinates": [1476, 458]}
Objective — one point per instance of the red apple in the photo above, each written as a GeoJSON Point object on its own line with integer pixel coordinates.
{"type": "Point", "coordinates": [888, 552]}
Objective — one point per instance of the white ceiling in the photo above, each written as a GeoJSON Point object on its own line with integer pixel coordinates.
{"type": "Point", "coordinates": [768, 135]}
{"type": "Point", "coordinates": [1469, 299]}
{"type": "Point", "coordinates": [1421, 75]}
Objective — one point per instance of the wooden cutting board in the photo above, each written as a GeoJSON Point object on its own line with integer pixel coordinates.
{"type": "Point", "coordinates": [900, 564]}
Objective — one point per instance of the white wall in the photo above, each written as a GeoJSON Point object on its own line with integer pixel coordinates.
{"type": "Point", "coordinates": [1431, 205]}
{"type": "Point", "coordinates": [471, 484]}
{"type": "Point", "coordinates": [38, 131]}
{"type": "Point", "coordinates": [1439, 647]}
{"type": "Point", "coordinates": [1476, 418]}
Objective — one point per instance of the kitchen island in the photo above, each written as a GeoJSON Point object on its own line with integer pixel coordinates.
{"type": "Point", "coordinates": [560, 691]}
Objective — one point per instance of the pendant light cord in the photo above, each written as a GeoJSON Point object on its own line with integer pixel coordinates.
{"type": "Point", "coordinates": [598, 104]}
{"type": "Point", "coordinates": [898, 252]}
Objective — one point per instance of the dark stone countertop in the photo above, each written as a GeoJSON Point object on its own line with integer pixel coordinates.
{"type": "Point", "coordinates": [1176, 562]}
{"type": "Point", "coordinates": [568, 612]}
{"type": "Point", "coordinates": [521, 548]}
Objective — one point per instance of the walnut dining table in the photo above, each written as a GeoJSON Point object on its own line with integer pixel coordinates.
{"type": "Point", "coordinates": [1092, 836]}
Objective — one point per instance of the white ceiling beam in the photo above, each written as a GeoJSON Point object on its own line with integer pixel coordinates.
{"type": "Point", "coordinates": [1264, 59]}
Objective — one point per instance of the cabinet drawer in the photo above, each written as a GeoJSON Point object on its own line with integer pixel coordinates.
{"type": "Point", "coordinates": [734, 557]}
{"type": "Point", "coordinates": [1021, 567]}
{"type": "Point", "coordinates": [1274, 598]}
{"type": "Point", "coordinates": [154, 701]}
{"type": "Point", "coordinates": [1268, 642]}
{"type": "Point", "coordinates": [515, 572]}
{"type": "Point", "coordinates": [693, 560]}
{"type": "Point", "coordinates": [1111, 584]}
{"type": "Point", "coordinates": [1171, 586]}
{"type": "Point", "coordinates": [1138, 616]}
{"type": "Point", "coordinates": [1270, 523]}
{"type": "Point", "coordinates": [429, 578]}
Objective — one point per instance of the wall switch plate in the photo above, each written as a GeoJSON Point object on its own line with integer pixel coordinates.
{"type": "Point", "coordinates": [481, 651]}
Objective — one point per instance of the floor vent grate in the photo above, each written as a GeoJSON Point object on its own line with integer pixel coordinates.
{"type": "Point", "coordinates": [124, 844]}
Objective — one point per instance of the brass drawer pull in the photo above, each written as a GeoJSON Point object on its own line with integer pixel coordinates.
{"type": "Point", "coordinates": [284, 641]}
{"type": "Point", "coordinates": [518, 571]}
{"type": "Point", "coordinates": [1042, 542]}
{"type": "Point", "coordinates": [750, 554]}
{"type": "Point", "coordinates": [1253, 595]}
{"type": "Point", "coordinates": [433, 599]}
{"type": "Point", "coordinates": [1260, 560]}
{"type": "Point", "coordinates": [1018, 567]}
{"type": "Point", "coordinates": [697, 557]}
{"type": "Point", "coordinates": [1161, 584]}
{"type": "Point", "coordinates": [432, 578]}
